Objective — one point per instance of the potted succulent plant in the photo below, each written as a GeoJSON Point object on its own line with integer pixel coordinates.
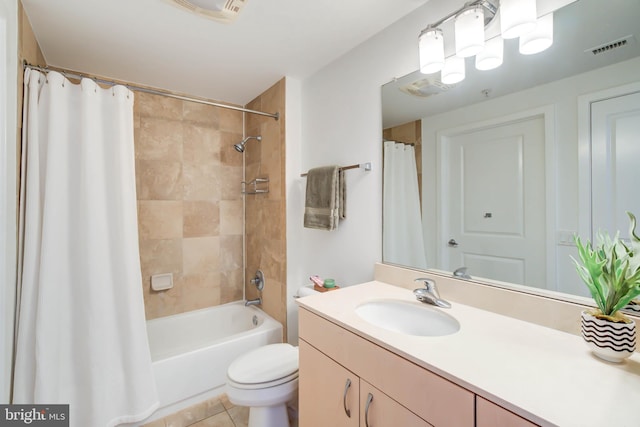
{"type": "Point", "coordinates": [611, 271]}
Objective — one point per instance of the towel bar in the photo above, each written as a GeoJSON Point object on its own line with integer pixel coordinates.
{"type": "Point", "coordinates": [366, 166]}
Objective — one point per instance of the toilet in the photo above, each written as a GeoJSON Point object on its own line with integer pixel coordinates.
{"type": "Point", "coordinates": [265, 379]}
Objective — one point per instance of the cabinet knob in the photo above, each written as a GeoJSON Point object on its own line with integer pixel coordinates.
{"type": "Point", "coordinates": [344, 398]}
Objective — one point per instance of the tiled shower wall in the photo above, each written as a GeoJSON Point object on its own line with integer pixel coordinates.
{"type": "Point", "coordinates": [189, 202]}
{"type": "Point", "coordinates": [266, 213]}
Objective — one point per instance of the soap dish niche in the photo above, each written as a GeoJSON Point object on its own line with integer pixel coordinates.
{"type": "Point", "coordinates": [162, 282]}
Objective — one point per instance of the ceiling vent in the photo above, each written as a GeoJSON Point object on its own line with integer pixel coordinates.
{"type": "Point", "coordinates": [219, 10]}
{"type": "Point", "coordinates": [425, 87]}
{"type": "Point", "coordinates": [616, 44]}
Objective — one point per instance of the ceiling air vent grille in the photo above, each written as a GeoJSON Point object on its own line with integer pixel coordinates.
{"type": "Point", "coordinates": [219, 10]}
{"type": "Point", "coordinates": [425, 87]}
{"type": "Point", "coordinates": [616, 44]}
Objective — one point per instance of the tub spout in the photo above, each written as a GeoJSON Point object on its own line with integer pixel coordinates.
{"type": "Point", "coordinates": [257, 301]}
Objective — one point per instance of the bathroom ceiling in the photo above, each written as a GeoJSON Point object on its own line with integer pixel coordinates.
{"type": "Point", "coordinates": [154, 43]}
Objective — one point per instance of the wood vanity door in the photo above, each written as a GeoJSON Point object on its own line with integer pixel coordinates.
{"type": "Point", "coordinates": [379, 410]}
{"type": "Point", "coordinates": [325, 398]}
{"type": "Point", "coordinates": [489, 414]}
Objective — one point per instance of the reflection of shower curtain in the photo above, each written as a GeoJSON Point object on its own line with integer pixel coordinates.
{"type": "Point", "coordinates": [402, 241]}
{"type": "Point", "coordinates": [81, 336]}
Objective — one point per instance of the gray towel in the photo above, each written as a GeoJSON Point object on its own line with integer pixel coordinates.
{"type": "Point", "coordinates": [325, 198]}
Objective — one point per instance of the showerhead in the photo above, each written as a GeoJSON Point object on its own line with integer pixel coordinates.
{"type": "Point", "coordinates": [240, 145]}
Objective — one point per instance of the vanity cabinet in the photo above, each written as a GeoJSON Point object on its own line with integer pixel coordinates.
{"type": "Point", "coordinates": [413, 396]}
{"type": "Point", "coordinates": [331, 395]}
{"type": "Point", "coordinates": [378, 409]}
{"type": "Point", "coordinates": [328, 393]}
{"type": "Point", "coordinates": [488, 414]}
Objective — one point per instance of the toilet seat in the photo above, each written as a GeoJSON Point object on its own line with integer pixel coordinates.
{"type": "Point", "coordinates": [264, 367]}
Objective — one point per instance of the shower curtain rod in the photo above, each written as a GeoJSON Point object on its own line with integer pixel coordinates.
{"type": "Point", "coordinates": [77, 75]}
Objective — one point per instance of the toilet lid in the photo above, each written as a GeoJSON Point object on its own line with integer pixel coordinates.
{"type": "Point", "coordinates": [264, 364]}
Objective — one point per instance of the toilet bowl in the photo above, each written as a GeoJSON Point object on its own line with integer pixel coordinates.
{"type": "Point", "coordinates": [265, 379]}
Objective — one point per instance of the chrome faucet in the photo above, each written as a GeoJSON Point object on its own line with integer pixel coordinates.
{"type": "Point", "coordinates": [461, 273]}
{"type": "Point", "coordinates": [429, 294]}
{"type": "Point", "coordinates": [257, 301]}
{"type": "Point", "coordinates": [258, 281]}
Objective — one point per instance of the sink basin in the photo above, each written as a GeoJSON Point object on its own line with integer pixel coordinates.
{"type": "Point", "coordinates": [407, 318]}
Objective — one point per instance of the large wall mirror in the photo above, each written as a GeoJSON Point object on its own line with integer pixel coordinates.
{"type": "Point", "coordinates": [512, 162]}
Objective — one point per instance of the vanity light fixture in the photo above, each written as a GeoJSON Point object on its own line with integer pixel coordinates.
{"type": "Point", "coordinates": [469, 31]}
{"type": "Point", "coordinates": [431, 46]}
{"type": "Point", "coordinates": [540, 38]}
{"type": "Point", "coordinates": [492, 55]}
{"type": "Point", "coordinates": [453, 71]}
{"type": "Point", "coordinates": [518, 18]}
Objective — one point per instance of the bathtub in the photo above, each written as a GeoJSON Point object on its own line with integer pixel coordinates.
{"type": "Point", "coordinates": [191, 351]}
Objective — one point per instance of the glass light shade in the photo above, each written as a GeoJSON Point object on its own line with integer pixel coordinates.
{"type": "Point", "coordinates": [431, 47]}
{"type": "Point", "coordinates": [453, 70]}
{"type": "Point", "coordinates": [540, 38]}
{"type": "Point", "coordinates": [517, 17]}
{"type": "Point", "coordinates": [492, 55]}
{"type": "Point", "coordinates": [469, 31]}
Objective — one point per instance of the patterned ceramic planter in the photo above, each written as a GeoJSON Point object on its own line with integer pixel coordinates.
{"type": "Point", "coordinates": [610, 341]}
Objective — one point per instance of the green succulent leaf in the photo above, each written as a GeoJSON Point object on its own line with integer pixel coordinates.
{"type": "Point", "coordinates": [610, 269]}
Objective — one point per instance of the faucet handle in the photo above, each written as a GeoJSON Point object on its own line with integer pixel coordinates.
{"type": "Point", "coordinates": [461, 272]}
{"type": "Point", "coordinates": [430, 284]}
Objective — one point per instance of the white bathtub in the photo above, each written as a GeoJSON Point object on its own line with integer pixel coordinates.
{"type": "Point", "coordinates": [192, 351]}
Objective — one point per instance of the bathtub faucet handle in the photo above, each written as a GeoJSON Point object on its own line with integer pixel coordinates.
{"type": "Point", "coordinates": [258, 280]}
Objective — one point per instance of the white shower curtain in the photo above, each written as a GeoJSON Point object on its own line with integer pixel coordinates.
{"type": "Point", "coordinates": [81, 337]}
{"type": "Point", "coordinates": [402, 239]}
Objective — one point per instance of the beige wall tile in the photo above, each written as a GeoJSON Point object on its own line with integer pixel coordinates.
{"type": "Point", "coordinates": [230, 120]}
{"type": "Point", "coordinates": [201, 218]}
{"type": "Point", "coordinates": [159, 219]}
{"type": "Point", "coordinates": [159, 180]}
{"type": "Point", "coordinates": [230, 252]}
{"type": "Point", "coordinates": [203, 182]}
{"type": "Point", "coordinates": [200, 291]}
{"type": "Point", "coordinates": [159, 139]}
{"type": "Point", "coordinates": [231, 285]}
{"type": "Point", "coordinates": [201, 145]}
{"type": "Point", "coordinates": [163, 303]}
{"type": "Point", "coordinates": [160, 256]}
{"type": "Point", "coordinates": [150, 105]}
{"type": "Point", "coordinates": [228, 155]}
{"type": "Point", "coordinates": [230, 187]}
{"type": "Point", "coordinates": [201, 255]}
{"type": "Point", "coordinates": [265, 214]}
{"type": "Point", "coordinates": [201, 113]}
{"type": "Point", "coordinates": [231, 217]}
{"type": "Point", "coordinates": [190, 204]}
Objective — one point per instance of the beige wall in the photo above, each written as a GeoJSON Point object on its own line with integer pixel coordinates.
{"type": "Point", "coordinates": [189, 202]}
{"type": "Point", "coordinates": [265, 223]}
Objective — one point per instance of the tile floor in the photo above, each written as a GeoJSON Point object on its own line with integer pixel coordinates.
{"type": "Point", "coordinates": [216, 412]}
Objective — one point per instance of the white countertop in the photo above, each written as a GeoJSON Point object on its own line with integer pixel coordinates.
{"type": "Point", "coordinates": [547, 376]}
